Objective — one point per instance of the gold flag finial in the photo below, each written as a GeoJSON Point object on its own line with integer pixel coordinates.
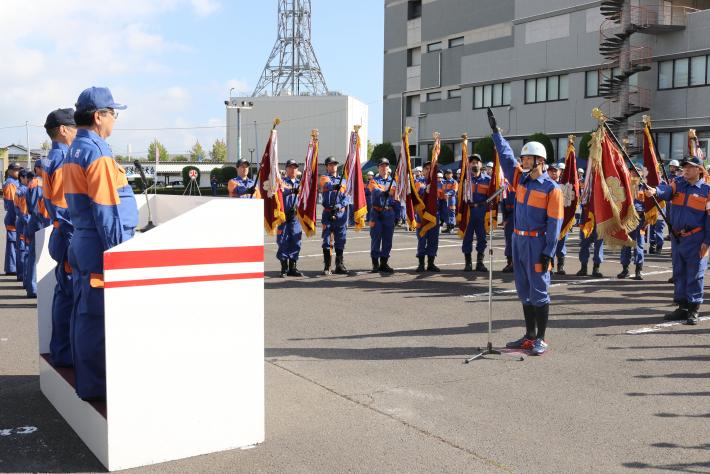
{"type": "Point", "coordinates": [692, 134]}
{"type": "Point", "coordinates": [314, 133]}
{"type": "Point", "coordinates": [437, 135]}
{"type": "Point", "coordinates": [357, 128]}
{"type": "Point", "coordinates": [408, 130]}
{"type": "Point", "coordinates": [464, 136]}
{"type": "Point", "coordinates": [571, 138]}
{"type": "Point", "coordinates": [646, 120]}
{"type": "Point", "coordinates": [276, 122]}
{"type": "Point", "coordinates": [598, 114]}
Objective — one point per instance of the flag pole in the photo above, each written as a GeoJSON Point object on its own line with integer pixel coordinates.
{"type": "Point", "coordinates": [647, 123]}
{"type": "Point", "coordinates": [597, 114]}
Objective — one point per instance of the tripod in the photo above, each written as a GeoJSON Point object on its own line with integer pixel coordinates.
{"type": "Point", "coordinates": [489, 347]}
{"type": "Point", "coordinates": [192, 188]}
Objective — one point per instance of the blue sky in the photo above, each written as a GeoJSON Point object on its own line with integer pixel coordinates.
{"type": "Point", "coordinates": [171, 61]}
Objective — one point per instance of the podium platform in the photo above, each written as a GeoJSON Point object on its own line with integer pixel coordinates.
{"type": "Point", "coordinates": [184, 306]}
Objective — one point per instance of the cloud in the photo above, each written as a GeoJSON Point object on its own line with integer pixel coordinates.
{"type": "Point", "coordinates": [204, 7]}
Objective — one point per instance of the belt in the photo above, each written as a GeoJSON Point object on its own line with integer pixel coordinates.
{"type": "Point", "coordinates": [529, 233]}
{"type": "Point", "coordinates": [688, 233]}
{"type": "Point", "coordinates": [510, 206]}
{"type": "Point", "coordinates": [476, 204]}
{"type": "Point", "coordinates": [10, 228]}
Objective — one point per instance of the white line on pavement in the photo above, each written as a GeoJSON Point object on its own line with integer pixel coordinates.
{"type": "Point", "coordinates": [658, 327]}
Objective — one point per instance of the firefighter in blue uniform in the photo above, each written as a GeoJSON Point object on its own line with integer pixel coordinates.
{"type": "Point", "coordinates": [585, 244]}
{"type": "Point", "coordinates": [288, 234]}
{"type": "Point", "coordinates": [103, 210]}
{"type": "Point", "coordinates": [21, 219]}
{"type": "Point", "coordinates": [480, 184]}
{"type": "Point", "coordinates": [9, 189]}
{"type": "Point", "coordinates": [449, 188]}
{"type": "Point", "coordinates": [553, 170]}
{"type": "Point", "coordinates": [335, 216]}
{"type": "Point", "coordinates": [538, 221]}
{"type": "Point", "coordinates": [690, 221]}
{"type": "Point", "coordinates": [38, 220]}
{"type": "Point", "coordinates": [428, 244]}
{"type": "Point", "coordinates": [61, 128]}
{"type": "Point", "coordinates": [382, 219]}
{"type": "Point", "coordinates": [637, 235]}
{"type": "Point", "coordinates": [243, 186]}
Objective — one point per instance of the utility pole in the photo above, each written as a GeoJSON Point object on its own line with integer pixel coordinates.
{"type": "Point", "coordinates": [29, 158]}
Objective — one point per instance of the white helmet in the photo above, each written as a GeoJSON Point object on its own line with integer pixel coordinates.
{"type": "Point", "coordinates": [674, 163]}
{"type": "Point", "coordinates": [580, 170]}
{"type": "Point", "coordinates": [439, 175]}
{"type": "Point", "coordinates": [489, 164]}
{"type": "Point", "coordinates": [418, 168]}
{"type": "Point", "coordinates": [370, 173]}
{"type": "Point", "coordinates": [562, 166]}
{"type": "Point", "coordinates": [534, 149]}
{"type": "Point", "coordinates": [458, 171]}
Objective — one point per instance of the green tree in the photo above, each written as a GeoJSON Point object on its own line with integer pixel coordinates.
{"type": "Point", "coordinates": [217, 173]}
{"type": "Point", "coordinates": [446, 155]}
{"type": "Point", "coordinates": [181, 158]}
{"type": "Point", "coordinates": [546, 142]}
{"type": "Point", "coordinates": [583, 151]}
{"type": "Point", "coordinates": [383, 150]}
{"type": "Point", "coordinates": [186, 174]}
{"type": "Point", "coordinates": [370, 149]}
{"type": "Point", "coordinates": [162, 151]}
{"type": "Point", "coordinates": [46, 145]}
{"type": "Point", "coordinates": [486, 148]}
{"type": "Point", "coordinates": [197, 153]}
{"type": "Point", "coordinates": [228, 172]}
{"type": "Point", "coordinates": [219, 151]}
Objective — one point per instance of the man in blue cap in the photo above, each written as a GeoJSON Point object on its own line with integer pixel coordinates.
{"type": "Point", "coordinates": [382, 218]}
{"type": "Point", "coordinates": [288, 234]}
{"type": "Point", "coordinates": [690, 221]}
{"type": "Point", "coordinates": [61, 128]}
{"type": "Point", "coordinates": [9, 189]}
{"type": "Point", "coordinates": [103, 210]}
{"type": "Point", "coordinates": [38, 220]}
{"type": "Point", "coordinates": [335, 216]}
{"type": "Point", "coordinates": [242, 186]}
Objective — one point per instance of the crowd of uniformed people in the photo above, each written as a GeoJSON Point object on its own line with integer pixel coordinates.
{"type": "Point", "coordinates": [83, 193]}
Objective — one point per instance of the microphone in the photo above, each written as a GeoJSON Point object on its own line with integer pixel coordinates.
{"type": "Point", "coordinates": [139, 167]}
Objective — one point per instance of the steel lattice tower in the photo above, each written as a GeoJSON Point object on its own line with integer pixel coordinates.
{"type": "Point", "coordinates": [292, 66]}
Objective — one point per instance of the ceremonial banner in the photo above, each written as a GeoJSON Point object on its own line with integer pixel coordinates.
{"type": "Point", "coordinates": [569, 182]}
{"type": "Point", "coordinates": [355, 188]}
{"type": "Point", "coordinates": [694, 145]}
{"type": "Point", "coordinates": [428, 209]}
{"type": "Point", "coordinates": [308, 190]}
{"type": "Point", "coordinates": [465, 192]}
{"type": "Point", "coordinates": [497, 181]}
{"type": "Point", "coordinates": [650, 162]}
{"type": "Point", "coordinates": [269, 181]}
{"type": "Point", "coordinates": [405, 180]}
{"type": "Point", "coordinates": [613, 199]}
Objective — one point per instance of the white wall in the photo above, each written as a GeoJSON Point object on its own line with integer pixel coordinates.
{"type": "Point", "coordinates": [333, 116]}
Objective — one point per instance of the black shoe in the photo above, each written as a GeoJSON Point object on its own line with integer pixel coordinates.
{"type": "Point", "coordinates": [430, 265]}
{"type": "Point", "coordinates": [480, 267]}
{"type": "Point", "coordinates": [561, 266]}
{"type": "Point", "coordinates": [679, 314]}
{"type": "Point", "coordinates": [375, 265]}
{"type": "Point", "coordinates": [624, 272]}
{"type": "Point", "coordinates": [447, 230]}
{"type": "Point", "coordinates": [638, 275]}
{"type": "Point", "coordinates": [652, 249]}
{"type": "Point", "coordinates": [671, 280]}
{"type": "Point", "coordinates": [340, 268]}
{"type": "Point", "coordinates": [693, 316]}
{"type": "Point", "coordinates": [596, 273]}
{"type": "Point", "coordinates": [284, 268]}
{"type": "Point", "coordinates": [582, 271]}
{"type": "Point", "coordinates": [326, 261]}
{"type": "Point", "coordinates": [293, 269]}
{"type": "Point", "coordinates": [508, 268]}
{"type": "Point", "coordinates": [384, 267]}
{"type": "Point", "coordinates": [11, 273]}
{"type": "Point", "coordinates": [420, 268]}
{"type": "Point", "coordinates": [468, 266]}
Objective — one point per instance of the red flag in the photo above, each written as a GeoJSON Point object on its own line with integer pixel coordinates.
{"type": "Point", "coordinates": [270, 184]}
{"type": "Point", "coordinates": [569, 182]}
{"type": "Point", "coordinates": [650, 162]}
{"type": "Point", "coordinates": [308, 189]}
{"type": "Point", "coordinates": [497, 181]}
{"type": "Point", "coordinates": [355, 188]}
{"type": "Point", "coordinates": [403, 174]}
{"type": "Point", "coordinates": [613, 199]}
{"type": "Point", "coordinates": [428, 210]}
{"type": "Point", "coordinates": [464, 192]}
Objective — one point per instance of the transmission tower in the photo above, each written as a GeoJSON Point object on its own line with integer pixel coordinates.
{"type": "Point", "coordinates": [292, 66]}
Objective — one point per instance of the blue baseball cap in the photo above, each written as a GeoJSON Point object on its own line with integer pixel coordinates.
{"type": "Point", "coordinates": [95, 98]}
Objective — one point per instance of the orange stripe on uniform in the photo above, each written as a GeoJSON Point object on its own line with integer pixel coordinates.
{"type": "Point", "coordinates": [102, 178]}
{"type": "Point", "coordinates": [697, 202]}
{"type": "Point", "coordinates": [678, 199]}
{"type": "Point", "coordinates": [9, 192]}
{"type": "Point", "coordinates": [555, 204]}
{"type": "Point", "coordinates": [57, 188]}
{"type": "Point", "coordinates": [537, 199]}
{"type": "Point", "coordinates": [73, 180]}
{"type": "Point", "coordinates": [520, 194]}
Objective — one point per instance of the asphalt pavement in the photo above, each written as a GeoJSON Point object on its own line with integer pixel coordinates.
{"type": "Point", "coordinates": [365, 373]}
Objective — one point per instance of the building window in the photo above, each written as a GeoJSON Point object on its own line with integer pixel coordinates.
{"type": "Point", "coordinates": [454, 42]}
{"type": "Point", "coordinates": [547, 89]}
{"type": "Point", "coordinates": [412, 150]}
{"type": "Point", "coordinates": [431, 47]}
{"type": "Point", "coordinates": [410, 102]}
{"type": "Point", "coordinates": [433, 96]}
{"type": "Point", "coordinates": [672, 146]}
{"type": "Point", "coordinates": [414, 57]}
{"type": "Point", "coordinates": [684, 72]}
{"type": "Point", "coordinates": [591, 84]}
{"type": "Point", "coordinates": [491, 95]}
{"type": "Point", "coordinates": [414, 9]}
{"type": "Point", "coordinates": [454, 93]}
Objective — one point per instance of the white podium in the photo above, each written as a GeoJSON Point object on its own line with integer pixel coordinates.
{"type": "Point", "coordinates": [184, 307]}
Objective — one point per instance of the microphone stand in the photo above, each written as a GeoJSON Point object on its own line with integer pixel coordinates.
{"type": "Point", "coordinates": [150, 224]}
{"type": "Point", "coordinates": [489, 347]}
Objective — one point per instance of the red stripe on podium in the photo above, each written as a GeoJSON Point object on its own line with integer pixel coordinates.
{"type": "Point", "coordinates": [187, 279]}
{"type": "Point", "coordinates": [178, 257]}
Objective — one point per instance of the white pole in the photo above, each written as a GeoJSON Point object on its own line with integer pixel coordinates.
{"type": "Point", "coordinates": [239, 133]}
{"type": "Point", "coordinates": [29, 159]}
{"type": "Point", "coordinates": [155, 173]}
